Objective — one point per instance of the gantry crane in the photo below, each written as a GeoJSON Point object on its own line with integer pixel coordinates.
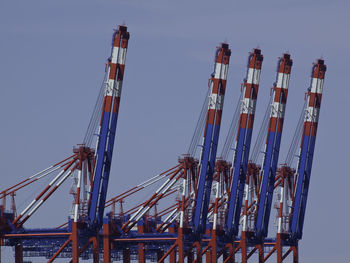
{"type": "Point", "coordinates": [215, 199]}
{"type": "Point", "coordinates": [94, 165]}
{"type": "Point", "coordinates": [293, 184]}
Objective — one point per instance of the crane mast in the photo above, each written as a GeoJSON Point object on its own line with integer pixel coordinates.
{"type": "Point", "coordinates": [211, 137]}
{"type": "Point", "coordinates": [107, 128]}
{"type": "Point", "coordinates": [272, 147]}
{"type": "Point", "coordinates": [243, 140]}
{"type": "Point", "coordinates": [307, 146]}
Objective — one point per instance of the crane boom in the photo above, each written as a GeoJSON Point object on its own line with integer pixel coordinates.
{"type": "Point", "coordinates": [272, 147]}
{"type": "Point", "coordinates": [211, 136]}
{"type": "Point", "coordinates": [244, 136]}
{"type": "Point", "coordinates": [307, 147]}
{"type": "Point", "coordinates": [109, 116]}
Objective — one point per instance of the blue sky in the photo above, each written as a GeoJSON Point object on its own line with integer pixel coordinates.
{"type": "Point", "coordinates": [52, 59]}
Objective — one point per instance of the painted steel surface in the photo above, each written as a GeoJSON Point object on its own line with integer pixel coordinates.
{"type": "Point", "coordinates": [175, 232]}
{"type": "Point", "coordinates": [108, 125]}
{"type": "Point", "coordinates": [243, 141]}
{"type": "Point", "coordinates": [272, 148]}
{"type": "Point", "coordinates": [307, 148]}
{"type": "Point", "coordinates": [211, 137]}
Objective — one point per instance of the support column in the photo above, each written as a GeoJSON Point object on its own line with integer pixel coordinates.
{"type": "Point", "coordinates": [180, 238]}
{"type": "Point", "coordinates": [213, 243]}
{"type": "Point", "coordinates": [214, 252]}
{"type": "Point", "coordinates": [295, 253]}
{"type": "Point", "coordinates": [141, 253]}
{"type": "Point", "coordinates": [19, 252]}
{"type": "Point", "coordinates": [141, 248]}
{"type": "Point", "coordinates": [75, 243]}
{"type": "Point", "coordinates": [278, 246]}
{"type": "Point", "coordinates": [260, 252]}
{"type": "Point", "coordinates": [180, 245]}
{"type": "Point", "coordinates": [208, 252]}
{"type": "Point", "coordinates": [208, 256]}
{"type": "Point", "coordinates": [172, 256]}
{"type": "Point", "coordinates": [198, 252]}
{"type": "Point", "coordinates": [181, 258]}
{"type": "Point", "coordinates": [243, 245]}
{"type": "Point", "coordinates": [95, 250]}
{"type": "Point", "coordinates": [106, 243]}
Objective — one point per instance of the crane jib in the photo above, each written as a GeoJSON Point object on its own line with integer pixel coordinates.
{"type": "Point", "coordinates": [272, 147]}
{"type": "Point", "coordinates": [211, 137]}
{"type": "Point", "coordinates": [243, 143]}
{"type": "Point", "coordinates": [106, 137]}
{"type": "Point", "coordinates": [304, 172]}
{"type": "Point", "coordinates": [307, 148]}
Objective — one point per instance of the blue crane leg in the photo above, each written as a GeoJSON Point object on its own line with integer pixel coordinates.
{"type": "Point", "coordinates": [238, 181]}
{"type": "Point", "coordinates": [267, 185]}
{"type": "Point", "coordinates": [106, 172]}
{"type": "Point", "coordinates": [210, 173]}
{"type": "Point", "coordinates": [99, 166]}
{"type": "Point", "coordinates": [304, 172]}
{"type": "Point", "coordinates": [202, 178]}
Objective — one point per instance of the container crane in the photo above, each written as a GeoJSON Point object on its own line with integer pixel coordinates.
{"type": "Point", "coordinates": [293, 184]}
{"type": "Point", "coordinates": [87, 163]}
{"type": "Point", "coordinates": [195, 225]}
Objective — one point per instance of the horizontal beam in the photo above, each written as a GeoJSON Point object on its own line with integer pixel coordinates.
{"type": "Point", "coordinates": [36, 234]}
{"type": "Point", "coordinates": [144, 239]}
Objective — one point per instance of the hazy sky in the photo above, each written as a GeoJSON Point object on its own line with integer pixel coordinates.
{"type": "Point", "coordinates": [52, 61]}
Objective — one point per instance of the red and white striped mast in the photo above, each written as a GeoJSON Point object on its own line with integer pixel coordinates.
{"type": "Point", "coordinates": [107, 128]}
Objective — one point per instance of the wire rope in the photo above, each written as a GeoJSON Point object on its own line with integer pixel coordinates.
{"type": "Point", "coordinates": [199, 127]}
{"type": "Point", "coordinates": [232, 132]}
{"type": "Point", "coordinates": [262, 132]}
{"type": "Point", "coordinates": [93, 123]}
{"type": "Point", "coordinates": [296, 137]}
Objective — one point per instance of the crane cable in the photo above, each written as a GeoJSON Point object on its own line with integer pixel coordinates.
{"type": "Point", "coordinates": [96, 114]}
{"type": "Point", "coordinates": [198, 131]}
{"type": "Point", "coordinates": [261, 135]}
{"type": "Point", "coordinates": [296, 137]}
{"type": "Point", "coordinates": [199, 127]}
{"type": "Point", "coordinates": [232, 132]}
